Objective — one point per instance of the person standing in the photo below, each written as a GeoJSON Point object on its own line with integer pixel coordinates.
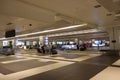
{"type": "Point", "coordinates": [43, 49]}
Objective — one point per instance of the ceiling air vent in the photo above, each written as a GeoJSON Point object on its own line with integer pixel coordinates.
{"type": "Point", "coordinates": [97, 6]}
{"type": "Point", "coordinates": [9, 23]}
{"type": "Point", "coordinates": [30, 24]}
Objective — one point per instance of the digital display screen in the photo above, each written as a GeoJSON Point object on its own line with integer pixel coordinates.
{"type": "Point", "coordinates": [10, 33]}
{"type": "Point", "coordinates": [27, 43]}
{"type": "Point", "coordinates": [98, 43]}
{"type": "Point", "coordinates": [46, 40]}
{"type": "Point", "coordinates": [19, 43]}
{"type": "Point", "coordinates": [69, 46]}
{"type": "Point", "coordinates": [34, 42]}
{"type": "Point", "coordinates": [6, 43]}
{"type": "Point", "coordinates": [71, 42]}
{"type": "Point", "coordinates": [59, 42]}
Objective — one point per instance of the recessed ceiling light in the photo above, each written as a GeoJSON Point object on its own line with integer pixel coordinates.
{"type": "Point", "coordinates": [30, 24]}
{"type": "Point", "coordinates": [97, 6]}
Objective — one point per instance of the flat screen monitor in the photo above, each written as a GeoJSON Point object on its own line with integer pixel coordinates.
{"type": "Point", "coordinates": [19, 43]}
{"type": "Point", "coordinates": [71, 42]}
{"type": "Point", "coordinates": [98, 43]}
{"type": "Point", "coordinates": [6, 43]}
{"type": "Point", "coordinates": [59, 42]}
{"type": "Point", "coordinates": [69, 47]}
{"type": "Point", "coordinates": [10, 33]}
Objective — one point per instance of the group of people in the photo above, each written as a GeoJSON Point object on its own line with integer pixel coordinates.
{"type": "Point", "coordinates": [46, 49]}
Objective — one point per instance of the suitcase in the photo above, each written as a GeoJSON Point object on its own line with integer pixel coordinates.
{"type": "Point", "coordinates": [54, 51]}
{"type": "Point", "coordinates": [39, 50]}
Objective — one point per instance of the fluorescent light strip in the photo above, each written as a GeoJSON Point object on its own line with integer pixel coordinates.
{"type": "Point", "coordinates": [64, 34]}
{"type": "Point", "coordinates": [29, 38]}
{"type": "Point", "coordinates": [2, 38]}
{"type": "Point", "coordinates": [7, 38]}
{"type": "Point", "coordinates": [75, 32]}
{"type": "Point", "coordinates": [45, 31]}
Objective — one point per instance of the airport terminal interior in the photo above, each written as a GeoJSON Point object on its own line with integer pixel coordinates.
{"type": "Point", "coordinates": [59, 39]}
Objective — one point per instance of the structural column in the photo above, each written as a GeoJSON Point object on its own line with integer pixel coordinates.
{"type": "Point", "coordinates": [114, 35]}
{"type": "Point", "coordinates": [1, 44]}
{"type": "Point", "coordinates": [43, 40]}
{"type": "Point", "coordinates": [76, 41]}
{"type": "Point", "coordinates": [13, 43]}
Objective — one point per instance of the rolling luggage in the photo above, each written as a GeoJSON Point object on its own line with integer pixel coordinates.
{"type": "Point", "coordinates": [39, 50]}
{"type": "Point", "coordinates": [53, 51]}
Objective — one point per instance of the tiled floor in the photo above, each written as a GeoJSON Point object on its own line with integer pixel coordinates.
{"type": "Point", "coordinates": [110, 73]}
{"type": "Point", "coordinates": [67, 65]}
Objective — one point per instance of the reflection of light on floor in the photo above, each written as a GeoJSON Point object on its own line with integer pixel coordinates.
{"type": "Point", "coordinates": [35, 55]}
{"type": "Point", "coordinates": [59, 58]}
{"type": "Point", "coordinates": [17, 60]}
{"type": "Point", "coordinates": [34, 71]}
{"type": "Point", "coordinates": [110, 73]}
{"type": "Point", "coordinates": [44, 60]}
{"type": "Point", "coordinates": [18, 55]}
{"type": "Point", "coordinates": [117, 62]}
{"type": "Point", "coordinates": [60, 61]}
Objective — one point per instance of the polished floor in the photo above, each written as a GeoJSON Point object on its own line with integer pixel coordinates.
{"type": "Point", "coordinates": [66, 65]}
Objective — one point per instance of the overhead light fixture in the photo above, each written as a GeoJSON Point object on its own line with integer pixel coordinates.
{"type": "Point", "coordinates": [2, 38]}
{"type": "Point", "coordinates": [29, 38]}
{"type": "Point", "coordinates": [52, 30]}
{"type": "Point", "coordinates": [75, 32]}
{"type": "Point", "coordinates": [64, 34]}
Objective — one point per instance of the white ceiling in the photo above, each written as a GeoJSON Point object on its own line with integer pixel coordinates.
{"type": "Point", "coordinates": [50, 14]}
